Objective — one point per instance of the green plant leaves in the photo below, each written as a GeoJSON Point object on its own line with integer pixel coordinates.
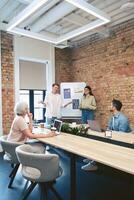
{"type": "Point", "coordinates": [80, 131]}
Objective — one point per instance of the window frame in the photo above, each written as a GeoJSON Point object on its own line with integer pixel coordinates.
{"type": "Point", "coordinates": [31, 102]}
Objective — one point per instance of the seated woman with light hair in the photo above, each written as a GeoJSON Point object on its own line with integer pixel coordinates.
{"type": "Point", "coordinates": [20, 131]}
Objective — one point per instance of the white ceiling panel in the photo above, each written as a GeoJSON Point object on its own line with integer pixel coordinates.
{"type": "Point", "coordinates": [60, 20]}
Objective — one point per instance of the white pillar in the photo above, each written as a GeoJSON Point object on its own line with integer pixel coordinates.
{"type": "Point", "coordinates": [50, 69]}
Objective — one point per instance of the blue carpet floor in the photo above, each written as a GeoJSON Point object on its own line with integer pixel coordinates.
{"type": "Point", "coordinates": [104, 184]}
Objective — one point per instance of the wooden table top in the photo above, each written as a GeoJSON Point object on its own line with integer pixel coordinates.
{"type": "Point", "coordinates": [118, 157]}
{"type": "Point", "coordinates": [117, 136]}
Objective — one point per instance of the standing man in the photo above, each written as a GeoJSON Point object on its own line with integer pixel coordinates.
{"type": "Point", "coordinates": [53, 104]}
{"type": "Point", "coordinates": [118, 121]}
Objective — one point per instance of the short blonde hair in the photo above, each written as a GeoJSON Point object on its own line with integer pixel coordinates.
{"type": "Point", "coordinates": [20, 108]}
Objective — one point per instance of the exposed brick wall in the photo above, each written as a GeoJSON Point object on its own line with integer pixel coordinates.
{"type": "Point", "coordinates": [108, 67]}
{"type": "Point", "coordinates": [62, 65]}
{"type": "Point", "coordinates": [7, 80]}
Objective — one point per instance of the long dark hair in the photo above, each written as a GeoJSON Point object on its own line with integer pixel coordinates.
{"type": "Point", "coordinates": [90, 90]}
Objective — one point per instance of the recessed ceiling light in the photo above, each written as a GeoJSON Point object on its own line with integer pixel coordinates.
{"type": "Point", "coordinates": [102, 18]}
{"type": "Point", "coordinates": [29, 10]}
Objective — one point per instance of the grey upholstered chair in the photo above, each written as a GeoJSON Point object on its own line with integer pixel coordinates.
{"type": "Point", "coordinates": [39, 168]}
{"type": "Point", "coordinates": [10, 156]}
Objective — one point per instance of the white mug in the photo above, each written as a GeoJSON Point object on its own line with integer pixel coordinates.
{"type": "Point", "coordinates": [108, 133]}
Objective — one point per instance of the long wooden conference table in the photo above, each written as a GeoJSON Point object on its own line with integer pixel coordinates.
{"type": "Point", "coordinates": [118, 157]}
{"type": "Point", "coordinates": [120, 138]}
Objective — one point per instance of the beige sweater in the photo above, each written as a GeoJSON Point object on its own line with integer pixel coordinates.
{"type": "Point", "coordinates": [88, 102]}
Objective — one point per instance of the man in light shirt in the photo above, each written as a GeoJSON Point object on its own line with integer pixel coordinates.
{"type": "Point", "coordinates": [53, 104]}
{"type": "Point", "coordinates": [118, 121]}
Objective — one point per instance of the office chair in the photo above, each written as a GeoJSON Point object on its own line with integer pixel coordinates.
{"type": "Point", "coordinates": [10, 156]}
{"type": "Point", "coordinates": [39, 168]}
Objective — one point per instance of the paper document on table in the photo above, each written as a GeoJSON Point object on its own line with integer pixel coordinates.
{"type": "Point", "coordinates": [41, 130]}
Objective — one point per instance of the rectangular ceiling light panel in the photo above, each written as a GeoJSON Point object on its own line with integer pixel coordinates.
{"type": "Point", "coordinates": [35, 5]}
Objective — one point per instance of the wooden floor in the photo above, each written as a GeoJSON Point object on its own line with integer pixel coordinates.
{"type": "Point", "coordinates": [104, 184]}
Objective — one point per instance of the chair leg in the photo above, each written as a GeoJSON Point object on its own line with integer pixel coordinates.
{"type": "Point", "coordinates": [29, 190]}
{"type": "Point", "coordinates": [44, 191]}
{"type": "Point", "coordinates": [12, 172]}
{"type": "Point", "coordinates": [12, 175]}
{"type": "Point", "coordinates": [12, 165]}
{"type": "Point", "coordinates": [26, 185]}
{"type": "Point", "coordinates": [55, 192]}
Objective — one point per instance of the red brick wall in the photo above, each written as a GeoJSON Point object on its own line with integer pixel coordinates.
{"type": "Point", "coordinates": [62, 65]}
{"type": "Point", "coordinates": [7, 80]}
{"type": "Point", "coordinates": [107, 66]}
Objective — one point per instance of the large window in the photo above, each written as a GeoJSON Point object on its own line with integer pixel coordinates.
{"type": "Point", "coordinates": [38, 109]}
{"type": "Point", "coordinates": [24, 96]}
{"type": "Point", "coordinates": [33, 97]}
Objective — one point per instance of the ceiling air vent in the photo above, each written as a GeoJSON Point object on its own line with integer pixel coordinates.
{"type": "Point", "coordinates": [62, 45]}
{"type": "Point", "coordinates": [127, 6]}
